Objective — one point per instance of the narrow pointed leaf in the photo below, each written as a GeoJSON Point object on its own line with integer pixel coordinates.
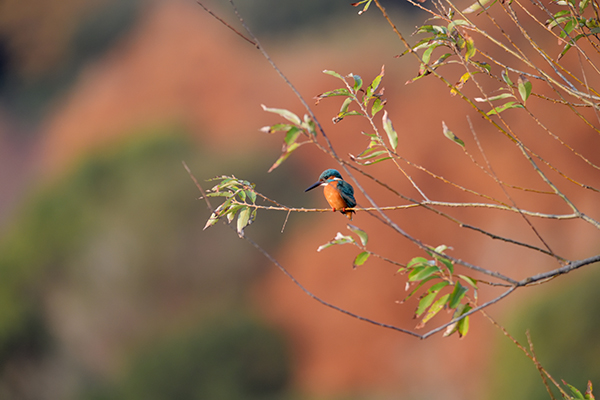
{"type": "Point", "coordinates": [339, 239]}
{"type": "Point", "coordinates": [425, 302]}
{"type": "Point", "coordinates": [243, 219]}
{"type": "Point", "coordinates": [284, 156]}
{"type": "Point", "coordinates": [333, 73]}
{"type": "Point", "coordinates": [211, 221]}
{"type": "Point", "coordinates": [364, 238]}
{"type": "Point", "coordinates": [374, 85]}
{"type": "Point", "coordinates": [291, 135]}
{"type": "Point", "coordinates": [506, 78]}
{"type": "Point", "coordinates": [477, 6]}
{"type": "Point", "coordinates": [290, 116]}
{"type": "Point", "coordinates": [389, 129]}
{"type": "Point", "coordinates": [435, 308]}
{"type": "Point", "coordinates": [417, 287]}
{"type": "Point", "coordinates": [463, 324]}
{"type": "Point", "coordinates": [419, 274]}
{"type": "Point", "coordinates": [232, 211]}
{"type": "Point", "coordinates": [469, 280]}
{"type": "Point", "coordinates": [450, 135]}
{"type": "Point", "coordinates": [504, 107]}
{"type": "Point", "coordinates": [377, 106]}
{"type": "Point", "coordinates": [457, 295]}
{"type": "Point", "coordinates": [493, 98]}
{"type": "Point", "coordinates": [417, 261]}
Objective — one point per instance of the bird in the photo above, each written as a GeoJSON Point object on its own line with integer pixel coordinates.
{"type": "Point", "coordinates": [339, 193]}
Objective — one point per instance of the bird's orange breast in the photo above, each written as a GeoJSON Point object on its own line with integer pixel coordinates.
{"type": "Point", "coordinates": [333, 196]}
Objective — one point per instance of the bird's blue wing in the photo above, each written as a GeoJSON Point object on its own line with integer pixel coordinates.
{"type": "Point", "coordinates": [347, 192]}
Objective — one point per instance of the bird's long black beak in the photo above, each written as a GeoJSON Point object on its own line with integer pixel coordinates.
{"type": "Point", "coordinates": [313, 186]}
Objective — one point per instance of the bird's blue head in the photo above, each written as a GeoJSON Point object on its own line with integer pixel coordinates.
{"type": "Point", "coordinates": [326, 176]}
{"type": "Point", "coordinates": [329, 174]}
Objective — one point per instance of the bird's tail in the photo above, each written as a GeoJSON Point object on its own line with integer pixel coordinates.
{"type": "Point", "coordinates": [348, 213]}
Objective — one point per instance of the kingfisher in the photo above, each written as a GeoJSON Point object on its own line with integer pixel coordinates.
{"type": "Point", "coordinates": [339, 193]}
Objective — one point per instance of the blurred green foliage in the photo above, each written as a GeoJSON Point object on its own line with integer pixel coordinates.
{"type": "Point", "coordinates": [230, 357]}
{"type": "Point", "coordinates": [564, 329]}
{"type": "Point", "coordinates": [119, 240]}
{"type": "Point", "coordinates": [285, 18]}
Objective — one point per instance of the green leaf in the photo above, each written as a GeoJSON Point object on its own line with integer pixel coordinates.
{"type": "Point", "coordinates": [440, 60]}
{"type": "Point", "coordinates": [432, 29]}
{"type": "Point", "coordinates": [334, 92]}
{"type": "Point", "coordinates": [339, 239]}
{"type": "Point", "coordinates": [344, 110]}
{"type": "Point", "coordinates": [367, 3]}
{"type": "Point", "coordinates": [333, 73]}
{"type": "Point", "coordinates": [576, 393]}
{"type": "Point", "coordinates": [469, 280]}
{"type": "Point", "coordinates": [374, 85]}
{"type": "Point", "coordinates": [506, 106]}
{"type": "Point", "coordinates": [448, 133]}
{"type": "Point", "coordinates": [309, 125]}
{"type": "Point", "coordinates": [558, 18]}
{"type": "Point", "coordinates": [370, 154]}
{"type": "Point", "coordinates": [211, 221]}
{"type": "Point", "coordinates": [482, 64]}
{"type": "Point", "coordinates": [418, 274]}
{"type": "Point", "coordinates": [341, 116]}
{"type": "Point", "coordinates": [471, 49]}
{"type": "Point", "coordinates": [232, 211]}
{"type": "Point", "coordinates": [376, 161]}
{"type": "Point", "coordinates": [357, 82]}
{"type": "Point", "coordinates": [434, 309]}
{"type": "Point", "coordinates": [463, 324]}
{"type": "Point", "coordinates": [583, 5]}
{"type": "Point", "coordinates": [389, 129]}
{"type": "Point", "coordinates": [425, 302]}
{"type": "Point", "coordinates": [418, 286]}
{"type": "Point", "coordinates": [290, 116]}
{"type": "Point", "coordinates": [291, 135]}
{"type": "Point", "coordinates": [438, 286]}
{"type": "Point", "coordinates": [276, 128]}
{"type": "Point", "coordinates": [494, 98]}
{"type": "Point", "coordinates": [243, 218]}
{"type": "Point", "coordinates": [345, 105]}
{"type": "Point", "coordinates": [364, 238]}
{"type": "Point", "coordinates": [418, 261]}
{"type": "Point", "coordinates": [457, 295]}
{"type": "Point", "coordinates": [427, 53]}
{"type": "Point", "coordinates": [506, 78]}
{"type": "Point", "coordinates": [459, 22]}
{"type": "Point", "coordinates": [284, 156]}
{"type": "Point", "coordinates": [524, 87]}
{"type": "Point", "coordinates": [377, 106]}
{"type": "Point", "coordinates": [252, 195]}
{"type": "Point", "coordinates": [478, 5]}
{"type": "Point", "coordinates": [447, 263]}
{"type": "Point", "coordinates": [361, 258]}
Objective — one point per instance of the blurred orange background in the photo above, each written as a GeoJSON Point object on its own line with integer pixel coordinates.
{"type": "Point", "coordinates": [112, 290]}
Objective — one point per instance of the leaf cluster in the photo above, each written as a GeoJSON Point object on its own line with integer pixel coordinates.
{"type": "Point", "coordinates": [444, 289]}
{"type": "Point", "coordinates": [238, 195]}
{"type": "Point", "coordinates": [293, 130]}
{"type": "Point", "coordinates": [573, 24]}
